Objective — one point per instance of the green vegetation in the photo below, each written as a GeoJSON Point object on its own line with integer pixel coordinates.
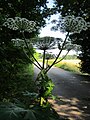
{"type": "Point", "coordinates": [10, 111]}
{"type": "Point", "coordinates": [69, 65]}
{"type": "Point", "coordinates": [22, 81]}
{"type": "Point", "coordinates": [21, 88]}
{"type": "Point", "coordinates": [79, 8]}
{"type": "Point", "coordinates": [21, 101]}
{"type": "Point", "coordinates": [21, 97]}
{"type": "Point", "coordinates": [71, 57]}
{"type": "Point", "coordinates": [37, 55]}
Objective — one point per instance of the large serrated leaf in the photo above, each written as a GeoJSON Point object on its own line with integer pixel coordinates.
{"type": "Point", "coordinates": [12, 112]}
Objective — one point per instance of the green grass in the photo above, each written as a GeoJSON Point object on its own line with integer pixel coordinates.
{"type": "Point", "coordinates": [69, 65]}
{"type": "Point", "coordinates": [25, 78]}
{"type": "Point", "coordinates": [28, 70]}
{"type": "Point", "coordinates": [23, 81]}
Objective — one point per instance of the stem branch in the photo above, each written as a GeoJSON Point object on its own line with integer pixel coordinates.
{"type": "Point", "coordinates": [48, 68]}
{"type": "Point", "coordinates": [30, 51]}
{"type": "Point", "coordinates": [31, 60]}
{"type": "Point", "coordinates": [44, 58]}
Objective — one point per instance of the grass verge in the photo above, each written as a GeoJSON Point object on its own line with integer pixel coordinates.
{"type": "Point", "coordinates": [69, 65]}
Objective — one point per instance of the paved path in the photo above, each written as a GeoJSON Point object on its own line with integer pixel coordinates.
{"type": "Point", "coordinates": [73, 93]}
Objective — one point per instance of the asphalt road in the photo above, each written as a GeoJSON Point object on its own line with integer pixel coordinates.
{"type": "Point", "coordinates": [73, 88]}
{"type": "Point", "coordinates": [68, 84]}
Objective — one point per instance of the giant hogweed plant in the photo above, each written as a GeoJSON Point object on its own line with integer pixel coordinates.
{"type": "Point", "coordinates": [18, 110]}
{"type": "Point", "coordinates": [68, 25]}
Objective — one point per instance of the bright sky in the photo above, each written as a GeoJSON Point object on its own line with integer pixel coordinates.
{"type": "Point", "coordinates": [46, 31]}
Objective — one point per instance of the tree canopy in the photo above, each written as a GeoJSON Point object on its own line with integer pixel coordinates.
{"type": "Point", "coordinates": [78, 8]}
{"type": "Point", "coordinates": [12, 58]}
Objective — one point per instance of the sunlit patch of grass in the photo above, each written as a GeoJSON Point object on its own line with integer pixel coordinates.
{"type": "Point", "coordinates": [70, 65]}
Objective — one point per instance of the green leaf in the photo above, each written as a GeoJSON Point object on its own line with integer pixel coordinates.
{"type": "Point", "coordinates": [42, 101]}
{"type": "Point", "coordinates": [30, 116]}
{"type": "Point", "coordinates": [9, 111]}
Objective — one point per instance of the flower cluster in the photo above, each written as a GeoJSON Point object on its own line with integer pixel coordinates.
{"type": "Point", "coordinates": [18, 42]}
{"type": "Point", "coordinates": [45, 43]}
{"type": "Point", "coordinates": [21, 24]}
{"type": "Point", "coordinates": [71, 24]}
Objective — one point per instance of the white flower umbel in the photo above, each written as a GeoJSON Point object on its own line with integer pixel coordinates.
{"type": "Point", "coordinates": [21, 24]}
{"type": "Point", "coordinates": [18, 42]}
{"type": "Point", "coordinates": [45, 43]}
{"type": "Point", "coordinates": [71, 24]}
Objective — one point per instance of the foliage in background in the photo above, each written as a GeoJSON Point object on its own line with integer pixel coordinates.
{"type": "Point", "coordinates": [14, 86]}
{"type": "Point", "coordinates": [70, 57]}
{"type": "Point", "coordinates": [12, 59]}
{"type": "Point", "coordinates": [15, 76]}
{"type": "Point", "coordinates": [78, 8]}
{"type": "Point", "coordinates": [11, 64]}
{"type": "Point", "coordinates": [37, 55]}
{"type": "Point", "coordinates": [43, 85]}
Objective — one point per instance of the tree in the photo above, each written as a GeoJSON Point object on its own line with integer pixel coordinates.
{"type": "Point", "coordinates": [12, 57]}
{"type": "Point", "coordinates": [78, 8]}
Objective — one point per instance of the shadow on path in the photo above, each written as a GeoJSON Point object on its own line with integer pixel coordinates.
{"type": "Point", "coordinates": [72, 108]}
{"type": "Point", "coordinates": [73, 94]}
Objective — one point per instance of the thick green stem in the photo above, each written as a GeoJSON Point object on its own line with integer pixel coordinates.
{"type": "Point", "coordinates": [47, 69]}
{"type": "Point", "coordinates": [61, 58]}
{"type": "Point", "coordinates": [44, 58]}
{"type": "Point", "coordinates": [30, 51]}
{"type": "Point", "coordinates": [47, 63]}
{"type": "Point", "coordinates": [31, 60]}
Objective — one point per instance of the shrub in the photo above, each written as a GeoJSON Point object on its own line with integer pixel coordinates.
{"type": "Point", "coordinates": [22, 81]}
